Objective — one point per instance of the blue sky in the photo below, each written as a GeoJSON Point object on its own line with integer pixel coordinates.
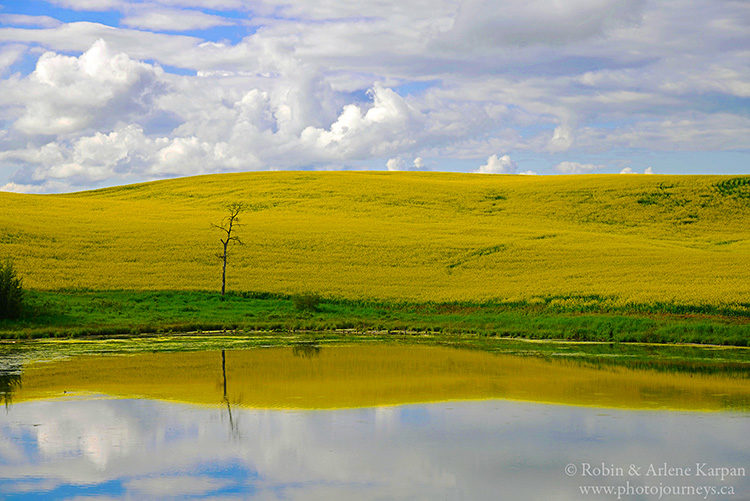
{"type": "Point", "coordinates": [103, 92]}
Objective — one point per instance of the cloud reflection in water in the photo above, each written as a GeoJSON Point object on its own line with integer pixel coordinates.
{"type": "Point", "coordinates": [472, 450]}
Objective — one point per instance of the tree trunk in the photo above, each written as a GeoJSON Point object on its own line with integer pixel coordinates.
{"type": "Point", "coordinates": [224, 270]}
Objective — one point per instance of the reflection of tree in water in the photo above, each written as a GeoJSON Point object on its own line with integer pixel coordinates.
{"type": "Point", "coordinates": [10, 381]}
{"type": "Point", "coordinates": [233, 428]}
{"type": "Point", "coordinates": [306, 350]}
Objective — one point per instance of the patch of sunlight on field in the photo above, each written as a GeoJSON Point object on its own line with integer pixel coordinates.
{"type": "Point", "coordinates": [371, 375]}
{"type": "Point", "coordinates": [402, 236]}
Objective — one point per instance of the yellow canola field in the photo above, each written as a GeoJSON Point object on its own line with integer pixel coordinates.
{"type": "Point", "coordinates": [372, 375]}
{"type": "Point", "coordinates": [398, 236]}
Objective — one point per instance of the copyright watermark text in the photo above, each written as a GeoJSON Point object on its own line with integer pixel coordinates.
{"type": "Point", "coordinates": [657, 480]}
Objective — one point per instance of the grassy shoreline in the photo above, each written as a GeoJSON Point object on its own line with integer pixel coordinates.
{"type": "Point", "coordinates": [82, 313]}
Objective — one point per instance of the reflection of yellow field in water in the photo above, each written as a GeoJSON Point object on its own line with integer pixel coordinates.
{"type": "Point", "coordinates": [369, 375]}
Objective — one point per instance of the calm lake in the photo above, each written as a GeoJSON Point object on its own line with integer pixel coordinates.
{"type": "Point", "coordinates": [369, 421]}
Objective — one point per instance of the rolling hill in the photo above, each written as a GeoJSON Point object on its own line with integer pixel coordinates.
{"type": "Point", "coordinates": [398, 236]}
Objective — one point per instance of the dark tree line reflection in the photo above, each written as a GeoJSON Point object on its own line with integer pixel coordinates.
{"type": "Point", "coordinates": [10, 380]}
{"type": "Point", "coordinates": [306, 350]}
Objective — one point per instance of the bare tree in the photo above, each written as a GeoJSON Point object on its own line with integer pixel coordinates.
{"type": "Point", "coordinates": [228, 225]}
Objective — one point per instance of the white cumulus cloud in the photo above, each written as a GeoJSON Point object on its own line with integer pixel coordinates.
{"type": "Point", "coordinates": [561, 140]}
{"type": "Point", "coordinates": [497, 165]}
{"type": "Point", "coordinates": [395, 164]}
{"type": "Point", "coordinates": [577, 168]}
{"type": "Point", "coordinates": [67, 94]}
{"type": "Point", "coordinates": [22, 188]}
{"type": "Point", "coordinates": [398, 163]}
{"type": "Point", "coordinates": [387, 126]}
{"type": "Point", "coordinates": [629, 170]}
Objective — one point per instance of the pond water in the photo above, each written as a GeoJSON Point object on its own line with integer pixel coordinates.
{"type": "Point", "coordinates": [369, 422]}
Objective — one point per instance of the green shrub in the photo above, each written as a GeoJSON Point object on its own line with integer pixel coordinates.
{"type": "Point", "coordinates": [307, 302]}
{"type": "Point", "coordinates": [11, 291]}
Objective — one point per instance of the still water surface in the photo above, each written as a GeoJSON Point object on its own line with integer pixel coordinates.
{"type": "Point", "coordinates": [366, 422]}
